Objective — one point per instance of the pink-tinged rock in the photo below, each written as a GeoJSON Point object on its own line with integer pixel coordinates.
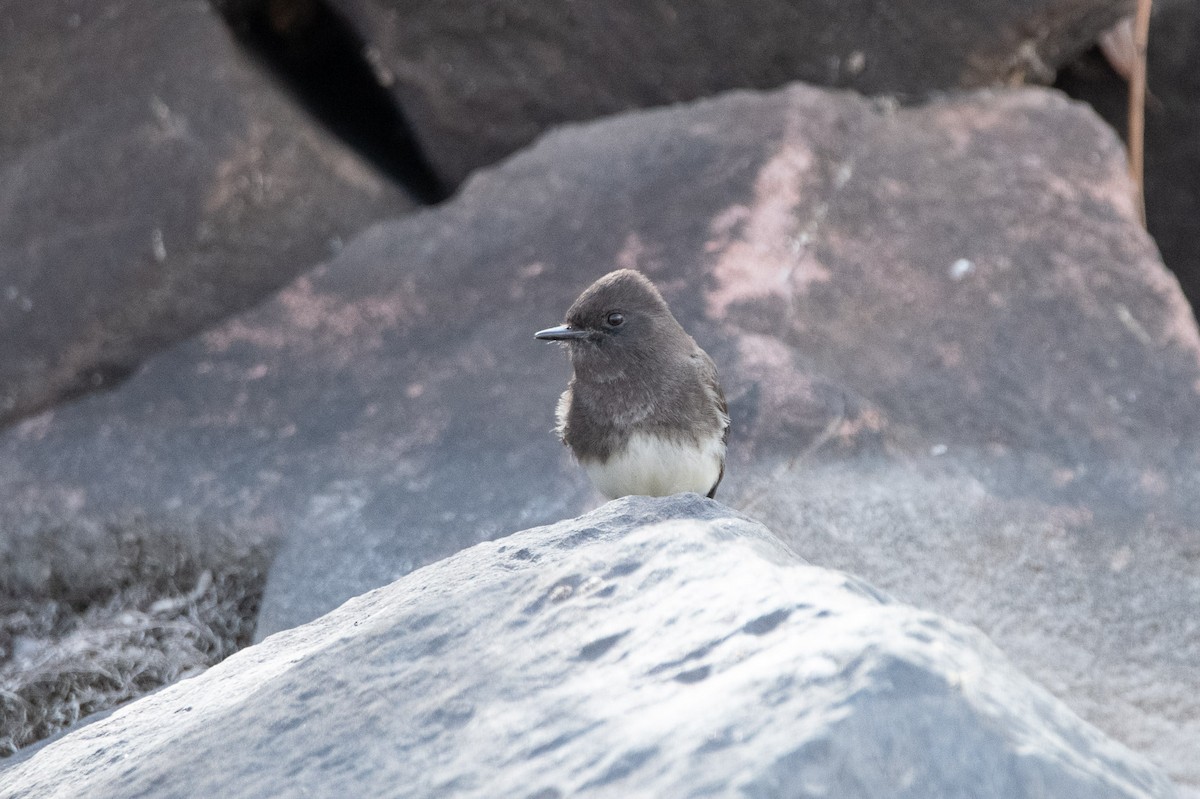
{"type": "Point", "coordinates": [955, 366]}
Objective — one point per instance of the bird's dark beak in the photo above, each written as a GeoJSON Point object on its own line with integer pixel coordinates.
{"type": "Point", "coordinates": [561, 333]}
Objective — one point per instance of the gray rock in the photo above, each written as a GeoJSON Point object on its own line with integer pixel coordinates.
{"type": "Point", "coordinates": [151, 182]}
{"type": "Point", "coordinates": [651, 648]}
{"type": "Point", "coordinates": [478, 82]}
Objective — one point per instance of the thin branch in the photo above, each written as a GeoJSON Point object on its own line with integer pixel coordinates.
{"type": "Point", "coordinates": [1137, 105]}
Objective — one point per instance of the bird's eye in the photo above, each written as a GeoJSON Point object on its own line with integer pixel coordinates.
{"type": "Point", "coordinates": [615, 319]}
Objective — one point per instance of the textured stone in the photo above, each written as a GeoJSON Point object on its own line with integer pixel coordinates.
{"type": "Point", "coordinates": [478, 81]}
{"type": "Point", "coordinates": [653, 647]}
{"type": "Point", "coordinates": [151, 181]}
{"type": "Point", "coordinates": [955, 365]}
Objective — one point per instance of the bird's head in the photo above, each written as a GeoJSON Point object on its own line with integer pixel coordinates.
{"type": "Point", "coordinates": [618, 319]}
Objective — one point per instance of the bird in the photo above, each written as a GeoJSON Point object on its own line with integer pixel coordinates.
{"type": "Point", "coordinates": [643, 413]}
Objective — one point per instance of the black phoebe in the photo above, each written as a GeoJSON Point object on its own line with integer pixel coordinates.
{"type": "Point", "coordinates": [643, 412]}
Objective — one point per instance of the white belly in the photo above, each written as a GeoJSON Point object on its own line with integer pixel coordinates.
{"type": "Point", "coordinates": [658, 467]}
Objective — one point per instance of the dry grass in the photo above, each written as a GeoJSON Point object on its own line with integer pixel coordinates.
{"type": "Point", "coordinates": [93, 616]}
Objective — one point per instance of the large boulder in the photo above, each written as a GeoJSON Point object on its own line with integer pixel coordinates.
{"type": "Point", "coordinates": [479, 81]}
{"type": "Point", "coordinates": [651, 648]}
{"type": "Point", "coordinates": [151, 182]}
{"type": "Point", "coordinates": [954, 362]}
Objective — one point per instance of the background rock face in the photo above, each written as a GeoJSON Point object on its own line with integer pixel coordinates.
{"type": "Point", "coordinates": [151, 182]}
{"type": "Point", "coordinates": [478, 82]}
{"type": "Point", "coordinates": [954, 362]}
{"type": "Point", "coordinates": [653, 647]}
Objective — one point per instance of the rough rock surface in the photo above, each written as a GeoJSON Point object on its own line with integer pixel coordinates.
{"type": "Point", "coordinates": [651, 648]}
{"type": "Point", "coordinates": [151, 181]}
{"type": "Point", "coordinates": [478, 82]}
{"type": "Point", "coordinates": [955, 365]}
{"type": "Point", "coordinates": [85, 629]}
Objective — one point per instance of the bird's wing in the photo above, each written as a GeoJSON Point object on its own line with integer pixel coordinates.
{"type": "Point", "coordinates": [713, 385]}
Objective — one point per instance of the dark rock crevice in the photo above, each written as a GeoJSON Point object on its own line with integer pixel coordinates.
{"type": "Point", "coordinates": [319, 58]}
{"type": "Point", "coordinates": [1172, 161]}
